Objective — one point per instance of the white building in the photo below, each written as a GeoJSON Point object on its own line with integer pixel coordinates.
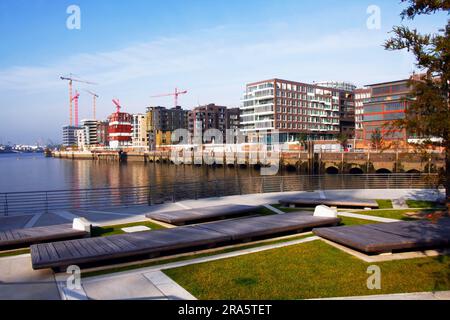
{"type": "Point", "coordinates": [294, 109]}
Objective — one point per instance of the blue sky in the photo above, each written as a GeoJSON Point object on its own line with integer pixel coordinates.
{"type": "Point", "coordinates": [138, 48]}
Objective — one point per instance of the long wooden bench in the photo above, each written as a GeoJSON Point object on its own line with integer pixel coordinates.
{"type": "Point", "coordinates": [160, 242]}
{"type": "Point", "coordinates": [389, 237]}
{"type": "Point", "coordinates": [343, 202]}
{"type": "Point", "coordinates": [20, 238]}
{"type": "Point", "coordinates": [183, 217]}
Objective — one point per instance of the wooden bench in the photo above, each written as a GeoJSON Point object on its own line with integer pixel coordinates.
{"type": "Point", "coordinates": [20, 238]}
{"type": "Point", "coordinates": [389, 237]}
{"type": "Point", "coordinates": [159, 242]}
{"type": "Point", "coordinates": [343, 203]}
{"type": "Point", "coordinates": [190, 216]}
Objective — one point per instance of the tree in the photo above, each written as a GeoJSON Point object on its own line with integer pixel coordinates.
{"type": "Point", "coordinates": [342, 138]}
{"type": "Point", "coordinates": [376, 140]}
{"type": "Point", "coordinates": [428, 115]}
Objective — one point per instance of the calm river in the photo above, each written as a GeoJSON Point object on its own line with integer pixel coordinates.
{"type": "Point", "coordinates": [34, 172]}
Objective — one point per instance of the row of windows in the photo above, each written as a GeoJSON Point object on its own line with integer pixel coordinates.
{"type": "Point", "coordinates": [307, 119]}
{"type": "Point", "coordinates": [391, 106]}
{"type": "Point", "coordinates": [303, 126]}
{"type": "Point", "coordinates": [306, 111]}
{"type": "Point", "coordinates": [387, 116]}
{"type": "Point", "coordinates": [391, 89]}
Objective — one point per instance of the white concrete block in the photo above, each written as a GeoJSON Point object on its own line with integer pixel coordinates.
{"type": "Point", "coordinates": [81, 224]}
{"type": "Point", "coordinates": [136, 229]}
{"type": "Point", "coordinates": [324, 211]}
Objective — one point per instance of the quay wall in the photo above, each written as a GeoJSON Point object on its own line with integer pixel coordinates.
{"type": "Point", "coordinates": [301, 162]}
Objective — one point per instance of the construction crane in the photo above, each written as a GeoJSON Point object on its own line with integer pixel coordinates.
{"type": "Point", "coordinates": [117, 103]}
{"type": "Point", "coordinates": [71, 80]}
{"type": "Point", "coordinates": [175, 95]}
{"type": "Point", "coordinates": [75, 99]}
{"type": "Point", "coordinates": [94, 100]}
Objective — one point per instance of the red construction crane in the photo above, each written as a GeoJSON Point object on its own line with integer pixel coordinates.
{"type": "Point", "coordinates": [94, 100]}
{"type": "Point", "coordinates": [175, 95]}
{"type": "Point", "coordinates": [117, 103]}
{"type": "Point", "coordinates": [71, 80]}
{"type": "Point", "coordinates": [75, 99]}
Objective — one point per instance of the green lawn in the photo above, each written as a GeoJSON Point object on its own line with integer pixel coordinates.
{"type": "Point", "coordinates": [422, 204]}
{"type": "Point", "coordinates": [309, 270]}
{"type": "Point", "coordinates": [117, 229]}
{"type": "Point", "coordinates": [14, 253]}
{"type": "Point", "coordinates": [384, 204]}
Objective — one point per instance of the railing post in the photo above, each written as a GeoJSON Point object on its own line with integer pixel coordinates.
{"type": "Point", "coordinates": [46, 202]}
{"type": "Point", "coordinates": [6, 204]}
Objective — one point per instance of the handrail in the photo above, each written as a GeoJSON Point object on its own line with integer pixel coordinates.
{"type": "Point", "coordinates": [45, 201]}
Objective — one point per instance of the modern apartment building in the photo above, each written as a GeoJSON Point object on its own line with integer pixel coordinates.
{"type": "Point", "coordinates": [80, 135]}
{"type": "Point", "coordinates": [140, 134]}
{"type": "Point", "coordinates": [212, 116]}
{"type": "Point", "coordinates": [293, 108]}
{"type": "Point", "coordinates": [69, 137]}
{"type": "Point", "coordinates": [388, 102]}
{"type": "Point", "coordinates": [103, 133]}
{"type": "Point", "coordinates": [362, 95]}
{"type": "Point", "coordinates": [347, 105]}
{"type": "Point", "coordinates": [90, 132]}
{"type": "Point", "coordinates": [160, 122]}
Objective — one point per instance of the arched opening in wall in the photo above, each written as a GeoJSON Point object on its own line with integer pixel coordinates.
{"type": "Point", "coordinates": [413, 171]}
{"type": "Point", "coordinates": [356, 171]}
{"type": "Point", "coordinates": [230, 165]}
{"type": "Point", "coordinates": [383, 171]}
{"type": "Point", "coordinates": [291, 168]}
{"type": "Point", "coordinates": [332, 170]}
{"type": "Point", "coordinates": [242, 166]}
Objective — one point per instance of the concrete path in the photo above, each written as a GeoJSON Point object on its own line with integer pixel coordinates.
{"type": "Point", "coordinates": [367, 217]}
{"type": "Point", "coordinates": [440, 295]}
{"type": "Point", "coordinates": [153, 285]}
{"type": "Point", "coordinates": [18, 281]}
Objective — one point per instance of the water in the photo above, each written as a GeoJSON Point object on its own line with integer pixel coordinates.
{"type": "Point", "coordinates": [35, 172]}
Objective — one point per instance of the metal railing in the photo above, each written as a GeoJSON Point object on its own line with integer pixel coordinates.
{"type": "Point", "coordinates": [45, 201]}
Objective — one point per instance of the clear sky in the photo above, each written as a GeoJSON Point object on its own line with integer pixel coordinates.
{"type": "Point", "coordinates": [138, 48]}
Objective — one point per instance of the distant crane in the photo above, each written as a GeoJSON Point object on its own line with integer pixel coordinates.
{"type": "Point", "coordinates": [75, 99]}
{"type": "Point", "coordinates": [71, 80]}
{"type": "Point", "coordinates": [175, 95]}
{"type": "Point", "coordinates": [94, 100]}
{"type": "Point", "coordinates": [117, 103]}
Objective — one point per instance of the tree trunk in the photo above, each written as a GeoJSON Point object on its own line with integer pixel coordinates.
{"type": "Point", "coordinates": [447, 179]}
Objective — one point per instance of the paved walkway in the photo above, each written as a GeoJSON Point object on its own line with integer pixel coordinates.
{"type": "Point", "coordinates": [440, 295]}
{"type": "Point", "coordinates": [366, 217]}
{"type": "Point", "coordinates": [18, 281]}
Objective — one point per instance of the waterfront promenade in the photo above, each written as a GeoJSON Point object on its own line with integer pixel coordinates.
{"type": "Point", "coordinates": [18, 280]}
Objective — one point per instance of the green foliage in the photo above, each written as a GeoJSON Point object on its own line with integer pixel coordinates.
{"type": "Point", "coordinates": [428, 115]}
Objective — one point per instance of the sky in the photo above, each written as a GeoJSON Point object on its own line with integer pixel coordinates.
{"type": "Point", "coordinates": [135, 49]}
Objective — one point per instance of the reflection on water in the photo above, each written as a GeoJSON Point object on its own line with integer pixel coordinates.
{"type": "Point", "coordinates": [34, 172]}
